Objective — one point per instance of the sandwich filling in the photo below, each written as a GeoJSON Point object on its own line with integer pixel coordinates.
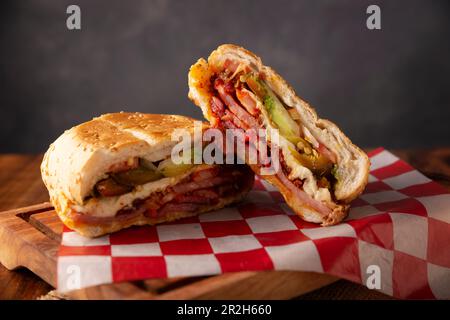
{"type": "Point", "coordinates": [138, 187]}
{"type": "Point", "coordinates": [241, 98]}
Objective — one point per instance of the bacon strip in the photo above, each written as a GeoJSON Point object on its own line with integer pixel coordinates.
{"type": "Point", "coordinates": [327, 153]}
{"type": "Point", "coordinates": [192, 185]}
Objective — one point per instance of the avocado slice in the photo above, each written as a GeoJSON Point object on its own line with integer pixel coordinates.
{"type": "Point", "coordinates": [315, 162]}
{"type": "Point", "coordinates": [334, 172]}
{"type": "Point", "coordinates": [170, 169]}
{"type": "Point", "coordinates": [289, 129]}
{"type": "Point", "coordinates": [277, 112]}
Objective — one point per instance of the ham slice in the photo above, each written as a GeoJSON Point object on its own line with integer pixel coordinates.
{"type": "Point", "coordinates": [303, 196]}
{"type": "Point", "coordinates": [248, 100]}
{"type": "Point", "coordinates": [236, 121]}
{"type": "Point", "coordinates": [178, 207]}
{"type": "Point", "coordinates": [327, 153]}
{"type": "Point", "coordinates": [229, 124]}
{"type": "Point", "coordinates": [217, 106]}
{"type": "Point", "coordinates": [204, 174]}
{"type": "Point", "coordinates": [122, 216]}
{"type": "Point", "coordinates": [192, 185]}
{"type": "Point", "coordinates": [234, 107]}
{"type": "Point", "coordinates": [182, 198]}
{"type": "Point", "coordinates": [207, 193]}
{"type": "Point", "coordinates": [231, 65]}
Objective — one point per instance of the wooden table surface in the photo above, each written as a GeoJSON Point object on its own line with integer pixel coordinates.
{"type": "Point", "coordinates": [21, 185]}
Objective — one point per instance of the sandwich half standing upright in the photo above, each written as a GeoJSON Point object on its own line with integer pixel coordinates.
{"type": "Point", "coordinates": [116, 171]}
{"type": "Point", "coordinates": [321, 171]}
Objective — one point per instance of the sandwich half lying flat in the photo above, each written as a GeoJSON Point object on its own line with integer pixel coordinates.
{"type": "Point", "coordinates": [116, 171]}
{"type": "Point", "coordinates": [321, 171]}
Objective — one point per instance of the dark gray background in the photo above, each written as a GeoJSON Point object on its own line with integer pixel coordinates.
{"type": "Point", "coordinates": [387, 87]}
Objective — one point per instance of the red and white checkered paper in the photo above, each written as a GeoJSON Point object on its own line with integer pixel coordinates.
{"type": "Point", "coordinates": [401, 223]}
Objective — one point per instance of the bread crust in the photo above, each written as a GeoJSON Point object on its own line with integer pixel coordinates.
{"type": "Point", "coordinates": [354, 164]}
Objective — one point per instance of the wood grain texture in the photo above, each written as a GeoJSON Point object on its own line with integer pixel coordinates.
{"type": "Point", "coordinates": [20, 185]}
{"type": "Point", "coordinates": [252, 285]}
{"type": "Point", "coordinates": [25, 246]}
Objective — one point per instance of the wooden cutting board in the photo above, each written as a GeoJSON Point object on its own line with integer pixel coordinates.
{"type": "Point", "coordinates": [30, 238]}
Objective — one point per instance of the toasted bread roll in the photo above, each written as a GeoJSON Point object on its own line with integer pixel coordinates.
{"type": "Point", "coordinates": [322, 171]}
{"type": "Point", "coordinates": [116, 171]}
